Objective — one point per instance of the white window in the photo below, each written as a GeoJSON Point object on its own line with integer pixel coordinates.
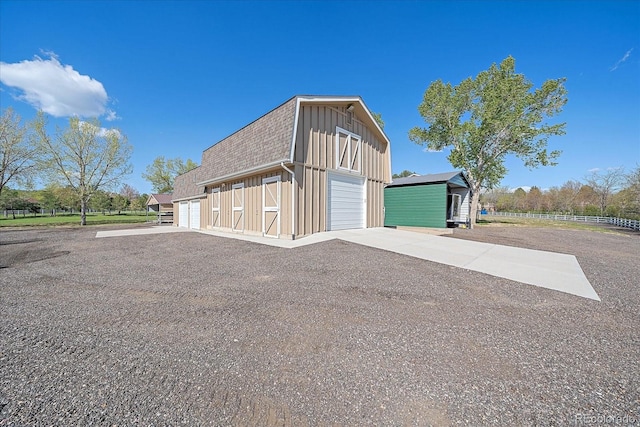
{"type": "Point", "coordinates": [348, 150]}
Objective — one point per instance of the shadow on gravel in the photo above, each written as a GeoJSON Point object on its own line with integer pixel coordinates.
{"type": "Point", "coordinates": [18, 242]}
{"type": "Point", "coordinates": [29, 256]}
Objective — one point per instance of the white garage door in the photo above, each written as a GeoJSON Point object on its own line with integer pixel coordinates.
{"type": "Point", "coordinates": [346, 202]}
{"type": "Point", "coordinates": [183, 214]}
{"type": "Point", "coordinates": [195, 214]}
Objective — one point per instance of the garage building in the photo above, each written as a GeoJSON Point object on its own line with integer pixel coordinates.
{"type": "Point", "coordinates": [436, 201]}
{"type": "Point", "coordinates": [315, 163]}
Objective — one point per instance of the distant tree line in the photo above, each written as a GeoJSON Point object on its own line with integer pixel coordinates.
{"type": "Point", "coordinates": [80, 165]}
{"type": "Point", "coordinates": [55, 199]}
{"type": "Point", "coordinates": [611, 193]}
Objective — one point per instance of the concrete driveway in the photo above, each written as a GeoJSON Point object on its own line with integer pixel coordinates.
{"type": "Point", "coordinates": [560, 272]}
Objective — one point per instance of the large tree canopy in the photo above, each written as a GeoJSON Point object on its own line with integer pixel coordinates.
{"type": "Point", "coordinates": [84, 156]}
{"type": "Point", "coordinates": [162, 172]}
{"type": "Point", "coordinates": [485, 119]}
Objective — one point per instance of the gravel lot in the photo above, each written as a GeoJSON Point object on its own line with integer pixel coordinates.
{"type": "Point", "coordinates": [190, 329]}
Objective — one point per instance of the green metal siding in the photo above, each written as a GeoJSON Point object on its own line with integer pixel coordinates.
{"type": "Point", "coordinates": [416, 206]}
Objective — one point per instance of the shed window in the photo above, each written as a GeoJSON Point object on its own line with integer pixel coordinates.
{"type": "Point", "coordinates": [348, 150]}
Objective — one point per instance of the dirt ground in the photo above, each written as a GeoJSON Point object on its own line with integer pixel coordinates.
{"type": "Point", "coordinates": [191, 329]}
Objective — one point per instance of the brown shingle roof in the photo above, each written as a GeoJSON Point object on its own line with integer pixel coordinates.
{"type": "Point", "coordinates": [163, 199]}
{"type": "Point", "coordinates": [263, 141]}
{"type": "Point", "coordinates": [185, 186]}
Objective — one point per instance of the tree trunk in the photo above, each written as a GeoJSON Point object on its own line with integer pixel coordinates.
{"type": "Point", "coordinates": [475, 199]}
{"type": "Point", "coordinates": [83, 212]}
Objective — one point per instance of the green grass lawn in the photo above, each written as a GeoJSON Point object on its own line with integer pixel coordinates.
{"type": "Point", "coordinates": [74, 219]}
{"type": "Point", "coordinates": [497, 221]}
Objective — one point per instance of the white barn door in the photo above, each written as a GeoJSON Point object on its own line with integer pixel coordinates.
{"type": "Point", "coordinates": [215, 207]}
{"type": "Point", "coordinates": [346, 204]}
{"type": "Point", "coordinates": [183, 215]}
{"type": "Point", "coordinates": [271, 206]}
{"type": "Point", "coordinates": [194, 216]}
{"type": "Point", "coordinates": [237, 196]}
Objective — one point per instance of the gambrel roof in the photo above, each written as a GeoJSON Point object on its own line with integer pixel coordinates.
{"type": "Point", "coordinates": [185, 187]}
{"type": "Point", "coordinates": [264, 143]}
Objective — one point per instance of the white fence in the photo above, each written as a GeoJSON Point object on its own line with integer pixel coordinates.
{"type": "Point", "coordinates": [620, 222]}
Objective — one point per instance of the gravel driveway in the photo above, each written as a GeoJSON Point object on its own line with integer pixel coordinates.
{"type": "Point", "coordinates": [190, 329]}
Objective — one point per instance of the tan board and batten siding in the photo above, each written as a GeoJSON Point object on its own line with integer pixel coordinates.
{"type": "Point", "coordinates": [260, 156]}
{"type": "Point", "coordinates": [315, 155]}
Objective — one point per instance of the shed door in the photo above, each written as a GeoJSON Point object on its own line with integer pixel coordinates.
{"type": "Point", "coordinates": [215, 207]}
{"type": "Point", "coordinates": [183, 214]}
{"type": "Point", "coordinates": [195, 214]}
{"type": "Point", "coordinates": [346, 202]}
{"type": "Point", "coordinates": [237, 196]}
{"type": "Point", "coordinates": [271, 206]}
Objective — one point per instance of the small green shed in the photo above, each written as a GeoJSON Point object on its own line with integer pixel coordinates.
{"type": "Point", "coordinates": [437, 201]}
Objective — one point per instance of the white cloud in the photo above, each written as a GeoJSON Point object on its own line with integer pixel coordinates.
{"type": "Point", "coordinates": [621, 60]}
{"type": "Point", "coordinates": [429, 150]}
{"type": "Point", "coordinates": [55, 88]}
{"type": "Point", "coordinates": [111, 116]}
{"type": "Point", "coordinates": [593, 170]}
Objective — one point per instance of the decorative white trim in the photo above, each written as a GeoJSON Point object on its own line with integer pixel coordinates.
{"type": "Point", "coordinates": [347, 150]}
{"type": "Point", "coordinates": [293, 199]}
{"type": "Point", "coordinates": [292, 149]}
{"type": "Point", "coordinates": [183, 199]}
{"type": "Point", "coordinates": [235, 175]}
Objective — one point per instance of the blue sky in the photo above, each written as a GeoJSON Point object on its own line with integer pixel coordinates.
{"type": "Point", "coordinates": [176, 77]}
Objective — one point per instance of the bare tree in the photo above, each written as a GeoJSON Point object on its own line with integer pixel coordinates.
{"type": "Point", "coordinates": [605, 185]}
{"type": "Point", "coordinates": [568, 196]}
{"type": "Point", "coordinates": [633, 187]}
{"type": "Point", "coordinates": [130, 193]}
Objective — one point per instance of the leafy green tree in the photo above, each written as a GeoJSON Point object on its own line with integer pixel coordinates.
{"type": "Point", "coordinates": [378, 118]}
{"type": "Point", "coordinates": [119, 203]}
{"type": "Point", "coordinates": [18, 154]}
{"type": "Point", "coordinates": [129, 193]}
{"type": "Point", "coordinates": [162, 172]}
{"type": "Point", "coordinates": [101, 201]}
{"type": "Point", "coordinates": [140, 202]}
{"type": "Point", "coordinates": [10, 200]}
{"type": "Point", "coordinates": [85, 156]}
{"type": "Point", "coordinates": [67, 197]}
{"type": "Point", "coordinates": [405, 173]}
{"type": "Point", "coordinates": [486, 119]}
{"type": "Point", "coordinates": [49, 200]}
{"type": "Point", "coordinates": [496, 198]}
